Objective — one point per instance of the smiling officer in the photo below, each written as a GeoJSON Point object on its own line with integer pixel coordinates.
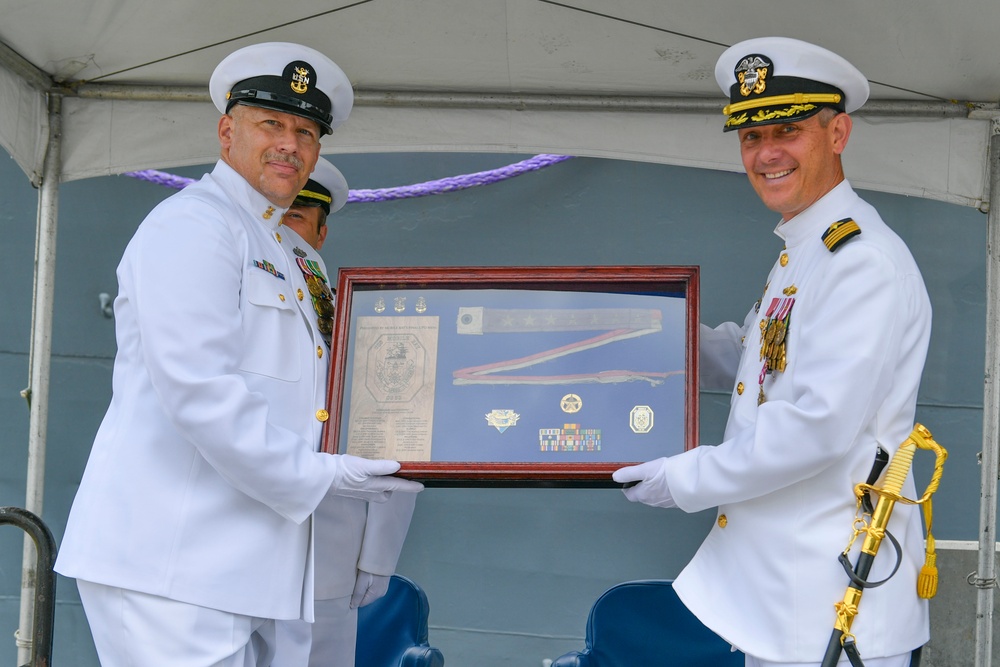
{"type": "Point", "coordinates": [824, 373]}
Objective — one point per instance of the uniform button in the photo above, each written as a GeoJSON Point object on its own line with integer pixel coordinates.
{"type": "Point", "coordinates": [739, 388]}
{"type": "Point", "coordinates": [278, 236]}
{"type": "Point", "coordinates": [319, 352]}
{"type": "Point", "coordinates": [300, 295]}
{"type": "Point", "coordinates": [322, 415]}
{"type": "Point", "coordinates": [281, 297]}
{"type": "Point", "coordinates": [723, 521]}
{"type": "Point", "coordinates": [784, 259]}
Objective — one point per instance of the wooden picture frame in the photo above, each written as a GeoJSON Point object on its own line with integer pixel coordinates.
{"type": "Point", "coordinates": [514, 376]}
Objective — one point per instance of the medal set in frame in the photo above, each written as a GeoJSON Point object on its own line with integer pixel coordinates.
{"type": "Point", "coordinates": [514, 376]}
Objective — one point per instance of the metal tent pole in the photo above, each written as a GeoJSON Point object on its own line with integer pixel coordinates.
{"type": "Point", "coordinates": [985, 578]}
{"type": "Point", "coordinates": [37, 392]}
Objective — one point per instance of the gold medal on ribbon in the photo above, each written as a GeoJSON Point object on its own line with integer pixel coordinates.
{"type": "Point", "coordinates": [321, 296]}
{"type": "Point", "coordinates": [773, 338]}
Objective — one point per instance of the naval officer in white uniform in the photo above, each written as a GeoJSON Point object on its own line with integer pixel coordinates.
{"type": "Point", "coordinates": [824, 370]}
{"type": "Point", "coordinates": [191, 532]}
{"type": "Point", "coordinates": [357, 543]}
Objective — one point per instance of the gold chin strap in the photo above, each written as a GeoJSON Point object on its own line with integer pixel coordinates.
{"type": "Point", "coordinates": [309, 194]}
{"type": "Point", "coordinates": [778, 100]}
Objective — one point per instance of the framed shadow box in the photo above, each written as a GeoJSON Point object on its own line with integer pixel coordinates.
{"type": "Point", "coordinates": [514, 376]}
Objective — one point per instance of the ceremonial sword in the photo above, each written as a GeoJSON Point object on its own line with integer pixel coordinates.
{"type": "Point", "coordinates": [888, 494]}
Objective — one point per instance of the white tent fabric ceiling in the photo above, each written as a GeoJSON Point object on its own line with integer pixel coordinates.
{"type": "Point", "coordinates": [608, 78]}
{"type": "Point", "coordinates": [125, 82]}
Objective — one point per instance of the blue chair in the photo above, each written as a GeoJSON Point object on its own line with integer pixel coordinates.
{"type": "Point", "coordinates": [644, 623]}
{"type": "Point", "coordinates": [392, 631]}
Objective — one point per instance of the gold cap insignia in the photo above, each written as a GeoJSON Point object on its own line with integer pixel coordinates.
{"type": "Point", "coordinates": [751, 73]}
{"type": "Point", "coordinates": [300, 80]}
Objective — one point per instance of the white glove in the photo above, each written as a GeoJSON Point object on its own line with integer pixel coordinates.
{"type": "Point", "coordinates": [652, 488]}
{"type": "Point", "coordinates": [368, 588]}
{"type": "Point", "coordinates": [356, 477]}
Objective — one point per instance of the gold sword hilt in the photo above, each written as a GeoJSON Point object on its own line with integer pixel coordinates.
{"type": "Point", "coordinates": [899, 467]}
{"type": "Point", "coordinates": [895, 476]}
{"type": "Point", "coordinates": [889, 492]}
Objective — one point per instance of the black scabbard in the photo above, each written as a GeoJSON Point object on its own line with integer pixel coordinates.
{"type": "Point", "coordinates": [836, 645]}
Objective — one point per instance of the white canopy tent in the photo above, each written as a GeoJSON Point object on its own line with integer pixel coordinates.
{"type": "Point", "coordinates": [107, 86]}
{"type": "Point", "coordinates": [631, 80]}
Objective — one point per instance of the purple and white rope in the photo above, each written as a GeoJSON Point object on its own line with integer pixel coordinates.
{"type": "Point", "coordinates": [161, 178]}
{"type": "Point", "coordinates": [442, 185]}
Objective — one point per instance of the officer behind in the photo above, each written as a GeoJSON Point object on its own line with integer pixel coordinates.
{"type": "Point", "coordinates": [357, 545]}
{"type": "Point", "coordinates": [824, 370]}
{"type": "Point", "coordinates": [191, 530]}
{"type": "Point", "coordinates": [324, 193]}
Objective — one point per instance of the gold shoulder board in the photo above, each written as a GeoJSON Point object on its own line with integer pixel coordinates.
{"type": "Point", "coordinates": [839, 233]}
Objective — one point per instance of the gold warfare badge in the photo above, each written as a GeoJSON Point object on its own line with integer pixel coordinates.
{"type": "Point", "coordinates": [502, 419]}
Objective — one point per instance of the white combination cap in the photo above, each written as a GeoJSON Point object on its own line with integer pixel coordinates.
{"type": "Point", "coordinates": [780, 80]}
{"type": "Point", "coordinates": [285, 77]}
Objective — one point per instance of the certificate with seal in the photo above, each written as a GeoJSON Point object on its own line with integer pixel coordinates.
{"type": "Point", "coordinates": [392, 404]}
{"type": "Point", "coordinates": [514, 376]}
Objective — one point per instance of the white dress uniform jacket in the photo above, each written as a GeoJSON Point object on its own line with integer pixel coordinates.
{"type": "Point", "coordinates": [205, 471]}
{"type": "Point", "coordinates": [766, 577]}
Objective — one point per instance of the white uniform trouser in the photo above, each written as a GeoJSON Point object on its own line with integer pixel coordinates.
{"type": "Point", "coordinates": [892, 661]}
{"type": "Point", "coordinates": [329, 642]}
{"type": "Point", "coordinates": [133, 629]}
